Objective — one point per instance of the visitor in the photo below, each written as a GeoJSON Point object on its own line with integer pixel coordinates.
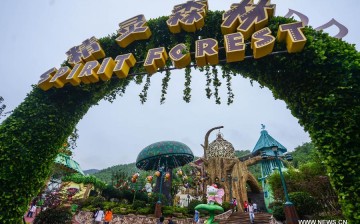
{"type": "Point", "coordinates": [31, 210]}
{"type": "Point", "coordinates": [245, 206]}
{"type": "Point", "coordinates": [255, 207]}
{"type": "Point", "coordinates": [197, 217]}
{"type": "Point", "coordinates": [99, 215]}
{"type": "Point", "coordinates": [108, 216]}
{"type": "Point", "coordinates": [170, 220]}
{"type": "Point", "coordinates": [161, 220]}
{"type": "Point", "coordinates": [234, 204]}
{"type": "Point", "coordinates": [251, 212]}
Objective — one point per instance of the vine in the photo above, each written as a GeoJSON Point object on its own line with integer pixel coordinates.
{"type": "Point", "coordinates": [165, 84]}
{"type": "Point", "coordinates": [226, 75]}
{"type": "Point", "coordinates": [143, 94]}
{"type": "Point", "coordinates": [187, 90]}
{"type": "Point", "coordinates": [216, 84]}
{"type": "Point", "coordinates": [208, 82]}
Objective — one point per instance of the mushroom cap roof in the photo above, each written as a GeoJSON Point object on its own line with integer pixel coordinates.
{"type": "Point", "coordinates": [266, 142]}
{"type": "Point", "coordinates": [169, 154]}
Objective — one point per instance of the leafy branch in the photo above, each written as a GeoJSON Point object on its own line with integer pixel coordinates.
{"type": "Point", "coordinates": [208, 82]}
{"type": "Point", "coordinates": [187, 90]}
{"type": "Point", "coordinates": [143, 94]}
{"type": "Point", "coordinates": [226, 75]}
{"type": "Point", "coordinates": [216, 84]}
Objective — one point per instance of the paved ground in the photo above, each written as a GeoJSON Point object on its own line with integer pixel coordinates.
{"type": "Point", "coordinates": [243, 217]}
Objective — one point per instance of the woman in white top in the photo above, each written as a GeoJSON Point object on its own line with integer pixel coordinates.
{"type": "Point", "coordinates": [99, 215]}
{"type": "Point", "coordinates": [251, 212]}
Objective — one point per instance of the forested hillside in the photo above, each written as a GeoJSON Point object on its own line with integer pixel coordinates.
{"type": "Point", "coordinates": [112, 173]}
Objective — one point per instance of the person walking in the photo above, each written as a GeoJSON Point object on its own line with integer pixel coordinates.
{"type": "Point", "coordinates": [197, 217]}
{"type": "Point", "coordinates": [234, 204]}
{"type": "Point", "coordinates": [245, 206]}
{"type": "Point", "coordinates": [170, 221]}
{"type": "Point", "coordinates": [31, 211]}
{"type": "Point", "coordinates": [108, 216]}
{"type": "Point", "coordinates": [99, 215]}
{"type": "Point", "coordinates": [161, 220]}
{"type": "Point", "coordinates": [255, 207]}
{"type": "Point", "coordinates": [251, 212]}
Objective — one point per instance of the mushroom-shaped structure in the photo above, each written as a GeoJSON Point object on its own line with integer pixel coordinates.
{"type": "Point", "coordinates": [211, 209]}
{"type": "Point", "coordinates": [167, 154]}
{"type": "Point", "coordinates": [164, 156]}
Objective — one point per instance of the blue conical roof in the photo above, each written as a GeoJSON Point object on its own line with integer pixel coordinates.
{"type": "Point", "coordinates": [266, 142]}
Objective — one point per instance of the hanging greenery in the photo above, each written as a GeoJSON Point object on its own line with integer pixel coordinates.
{"type": "Point", "coordinates": [216, 84]}
{"type": "Point", "coordinates": [320, 85]}
{"type": "Point", "coordinates": [143, 94]}
{"type": "Point", "coordinates": [227, 76]}
{"type": "Point", "coordinates": [187, 90]}
{"type": "Point", "coordinates": [208, 82]}
{"type": "Point", "coordinates": [165, 84]}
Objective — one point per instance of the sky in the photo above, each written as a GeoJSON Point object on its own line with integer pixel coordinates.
{"type": "Point", "coordinates": [36, 34]}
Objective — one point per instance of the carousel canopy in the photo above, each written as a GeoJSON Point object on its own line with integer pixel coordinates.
{"type": "Point", "coordinates": [169, 154]}
{"type": "Point", "coordinates": [65, 162]}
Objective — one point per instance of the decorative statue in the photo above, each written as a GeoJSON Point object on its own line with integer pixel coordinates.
{"type": "Point", "coordinates": [148, 187]}
{"type": "Point", "coordinates": [213, 195]}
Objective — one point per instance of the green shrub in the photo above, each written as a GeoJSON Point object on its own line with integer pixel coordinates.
{"type": "Point", "coordinates": [182, 210]}
{"type": "Point", "coordinates": [138, 204]}
{"type": "Point", "coordinates": [117, 210]}
{"type": "Point", "coordinates": [278, 210]}
{"type": "Point", "coordinates": [192, 205]}
{"type": "Point", "coordinates": [154, 197]}
{"type": "Point", "coordinates": [304, 203]}
{"type": "Point", "coordinates": [109, 204]}
{"type": "Point", "coordinates": [111, 192]}
{"type": "Point", "coordinates": [145, 211]}
{"type": "Point", "coordinates": [167, 210]}
{"type": "Point", "coordinates": [226, 206]}
{"type": "Point", "coordinates": [59, 215]}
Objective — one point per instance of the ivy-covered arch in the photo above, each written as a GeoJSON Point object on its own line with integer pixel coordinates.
{"type": "Point", "coordinates": [320, 85]}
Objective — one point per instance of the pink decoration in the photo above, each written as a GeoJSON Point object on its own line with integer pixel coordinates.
{"type": "Point", "coordinates": [214, 194]}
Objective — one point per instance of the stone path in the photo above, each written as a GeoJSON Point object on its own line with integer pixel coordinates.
{"type": "Point", "coordinates": [243, 217]}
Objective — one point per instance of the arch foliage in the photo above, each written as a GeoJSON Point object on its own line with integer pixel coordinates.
{"type": "Point", "coordinates": [319, 85]}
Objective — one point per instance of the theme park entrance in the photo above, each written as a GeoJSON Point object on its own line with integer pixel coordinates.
{"type": "Point", "coordinates": [317, 76]}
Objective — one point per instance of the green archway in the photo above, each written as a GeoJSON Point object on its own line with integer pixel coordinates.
{"type": "Point", "coordinates": [320, 85]}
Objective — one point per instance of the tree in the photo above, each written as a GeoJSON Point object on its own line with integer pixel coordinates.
{"type": "Point", "coordinates": [2, 106]}
{"type": "Point", "coordinates": [310, 178]}
{"type": "Point", "coordinates": [304, 153]}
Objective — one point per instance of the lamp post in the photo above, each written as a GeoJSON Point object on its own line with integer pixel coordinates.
{"type": "Point", "coordinates": [158, 203]}
{"type": "Point", "coordinates": [289, 209]}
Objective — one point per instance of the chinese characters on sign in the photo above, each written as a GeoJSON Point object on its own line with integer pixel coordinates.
{"type": "Point", "coordinates": [244, 20]}
{"type": "Point", "coordinates": [133, 29]}
{"type": "Point", "coordinates": [188, 16]}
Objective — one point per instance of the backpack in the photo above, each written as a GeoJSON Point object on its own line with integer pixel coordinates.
{"type": "Point", "coordinates": [95, 214]}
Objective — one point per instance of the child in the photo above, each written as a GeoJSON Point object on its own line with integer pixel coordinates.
{"type": "Point", "coordinates": [108, 216]}
{"type": "Point", "coordinates": [197, 217]}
